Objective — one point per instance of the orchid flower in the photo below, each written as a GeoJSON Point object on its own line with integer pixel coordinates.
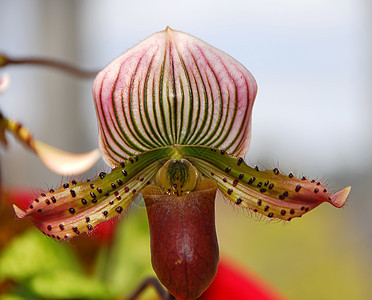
{"type": "Point", "coordinates": [174, 116]}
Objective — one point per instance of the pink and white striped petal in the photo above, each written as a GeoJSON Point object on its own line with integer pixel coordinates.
{"type": "Point", "coordinates": [173, 89]}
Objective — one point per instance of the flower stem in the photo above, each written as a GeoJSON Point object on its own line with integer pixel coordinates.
{"type": "Point", "coordinates": [62, 66]}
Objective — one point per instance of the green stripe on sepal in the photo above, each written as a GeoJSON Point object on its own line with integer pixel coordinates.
{"type": "Point", "coordinates": [77, 207]}
{"type": "Point", "coordinates": [268, 192]}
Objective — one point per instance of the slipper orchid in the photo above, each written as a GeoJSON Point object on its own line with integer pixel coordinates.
{"type": "Point", "coordinates": [174, 117]}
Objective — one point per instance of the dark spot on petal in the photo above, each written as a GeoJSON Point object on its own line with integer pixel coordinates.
{"type": "Point", "coordinates": [266, 208]}
{"type": "Point", "coordinates": [36, 200]}
{"type": "Point", "coordinates": [49, 227]}
{"type": "Point", "coordinates": [39, 210]}
{"type": "Point", "coordinates": [302, 207]}
{"type": "Point", "coordinates": [119, 182]}
{"type": "Point", "coordinates": [111, 202]}
{"type": "Point", "coordinates": [259, 184]}
{"type": "Point", "coordinates": [51, 191]}
{"type": "Point", "coordinates": [126, 189]}
{"type": "Point", "coordinates": [43, 194]}
{"type": "Point", "coordinates": [239, 200]}
{"type": "Point", "coordinates": [266, 183]}
{"type": "Point", "coordinates": [222, 152]}
{"type": "Point", "coordinates": [239, 162]}
{"type": "Point", "coordinates": [306, 209]}
{"type": "Point", "coordinates": [212, 174]}
{"type": "Point", "coordinates": [292, 211]}
{"type": "Point", "coordinates": [102, 175]}
{"type": "Point", "coordinates": [61, 226]}
{"type": "Point", "coordinates": [303, 178]}
{"type": "Point", "coordinates": [228, 169]}
{"type": "Point", "coordinates": [256, 168]}
{"type": "Point", "coordinates": [92, 186]}
{"type": "Point", "coordinates": [99, 190]}
{"type": "Point", "coordinates": [84, 201]}
{"type": "Point", "coordinates": [285, 194]}
{"type": "Point", "coordinates": [229, 191]}
{"type": "Point", "coordinates": [105, 213]}
{"type": "Point", "coordinates": [94, 200]}
{"type": "Point", "coordinates": [76, 230]}
{"type": "Point", "coordinates": [270, 215]}
{"type": "Point", "coordinates": [66, 185]}
{"type": "Point", "coordinates": [135, 157]}
{"type": "Point", "coordinates": [90, 227]}
{"type": "Point", "coordinates": [113, 185]}
{"type": "Point", "coordinates": [255, 210]}
{"type": "Point", "coordinates": [289, 219]}
{"type": "Point", "coordinates": [122, 164]}
{"type": "Point", "coordinates": [87, 219]}
{"type": "Point", "coordinates": [316, 190]}
{"type": "Point", "coordinates": [271, 186]}
{"type": "Point", "coordinates": [73, 193]}
{"type": "Point", "coordinates": [251, 180]}
{"type": "Point", "coordinates": [241, 176]}
{"type": "Point", "coordinates": [290, 175]}
{"type": "Point", "coordinates": [262, 190]}
{"type": "Point", "coordinates": [318, 183]}
{"type": "Point", "coordinates": [276, 171]}
{"type": "Point", "coordinates": [66, 236]}
{"type": "Point", "coordinates": [325, 191]}
{"type": "Point", "coordinates": [72, 210]}
{"type": "Point", "coordinates": [312, 181]}
{"type": "Point", "coordinates": [134, 191]}
{"type": "Point", "coordinates": [124, 173]}
{"type": "Point", "coordinates": [224, 180]}
{"type": "Point", "coordinates": [119, 209]}
{"type": "Point", "coordinates": [31, 207]}
{"type": "Point", "coordinates": [259, 202]}
{"type": "Point", "coordinates": [283, 212]}
{"type": "Point", "coordinates": [235, 182]}
{"type": "Point", "coordinates": [281, 197]}
{"type": "Point", "coordinates": [298, 187]}
{"type": "Point", "coordinates": [73, 182]}
{"type": "Point", "coordinates": [54, 200]}
{"type": "Point", "coordinates": [93, 195]}
{"type": "Point", "coordinates": [47, 201]}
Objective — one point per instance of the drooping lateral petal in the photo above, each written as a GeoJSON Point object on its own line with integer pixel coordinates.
{"type": "Point", "coordinates": [76, 207]}
{"type": "Point", "coordinates": [57, 160]}
{"type": "Point", "coordinates": [268, 192]}
{"type": "Point", "coordinates": [173, 88]}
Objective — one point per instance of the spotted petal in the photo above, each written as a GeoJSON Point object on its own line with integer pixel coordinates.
{"type": "Point", "coordinates": [268, 192]}
{"type": "Point", "coordinates": [170, 89]}
{"type": "Point", "coordinates": [77, 207]}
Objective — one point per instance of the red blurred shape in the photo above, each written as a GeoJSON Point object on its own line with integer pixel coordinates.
{"type": "Point", "coordinates": [231, 283]}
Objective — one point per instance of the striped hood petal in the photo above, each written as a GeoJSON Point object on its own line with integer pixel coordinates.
{"type": "Point", "coordinates": [171, 89]}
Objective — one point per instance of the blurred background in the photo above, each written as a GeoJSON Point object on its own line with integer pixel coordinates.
{"type": "Point", "coordinates": [313, 64]}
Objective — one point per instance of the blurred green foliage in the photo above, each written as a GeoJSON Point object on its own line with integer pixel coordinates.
{"type": "Point", "coordinates": [42, 268]}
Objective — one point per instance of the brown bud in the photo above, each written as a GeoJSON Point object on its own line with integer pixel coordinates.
{"type": "Point", "coordinates": [184, 247]}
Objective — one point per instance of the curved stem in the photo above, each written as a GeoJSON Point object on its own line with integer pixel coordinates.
{"type": "Point", "coordinates": [151, 281]}
{"type": "Point", "coordinates": [5, 60]}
